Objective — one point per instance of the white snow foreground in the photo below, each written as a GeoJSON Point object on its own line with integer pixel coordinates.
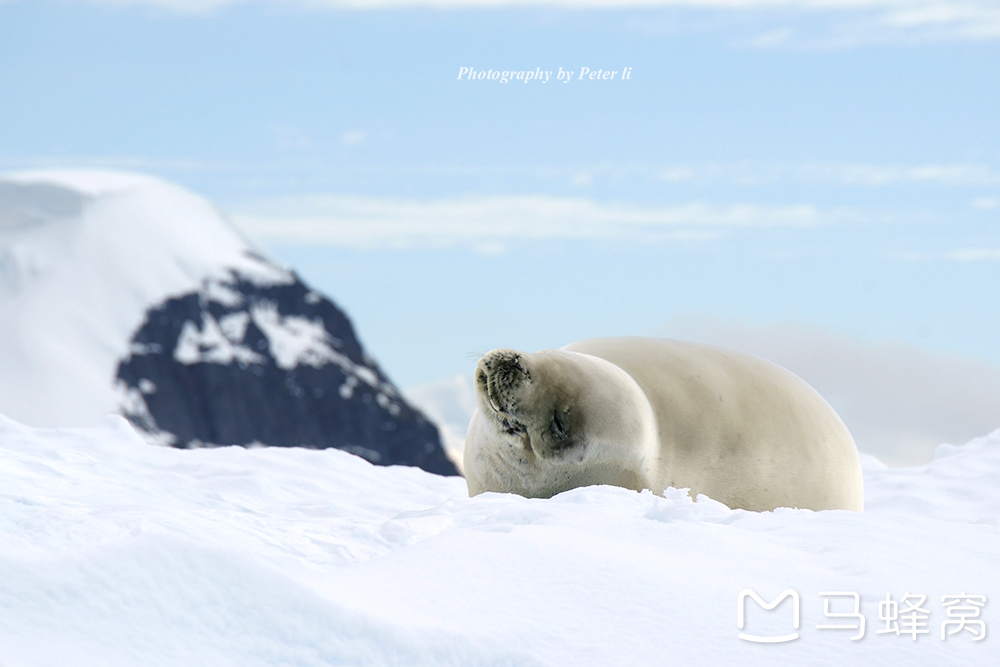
{"type": "Point", "coordinates": [115, 552]}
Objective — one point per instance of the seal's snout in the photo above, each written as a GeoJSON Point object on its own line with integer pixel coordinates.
{"type": "Point", "coordinates": [501, 377]}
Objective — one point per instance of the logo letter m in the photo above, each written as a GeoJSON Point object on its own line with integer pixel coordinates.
{"type": "Point", "coordinates": [740, 601]}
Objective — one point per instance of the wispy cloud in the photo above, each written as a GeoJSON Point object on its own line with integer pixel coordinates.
{"type": "Point", "coordinates": [131, 162]}
{"type": "Point", "coordinates": [966, 255]}
{"type": "Point", "coordinates": [977, 20]}
{"type": "Point", "coordinates": [923, 10]}
{"type": "Point", "coordinates": [986, 203]}
{"type": "Point", "coordinates": [743, 173]}
{"type": "Point", "coordinates": [833, 26]}
{"type": "Point", "coordinates": [974, 254]}
{"type": "Point", "coordinates": [760, 24]}
{"type": "Point", "coordinates": [835, 173]}
{"type": "Point", "coordinates": [354, 138]}
{"type": "Point", "coordinates": [488, 222]}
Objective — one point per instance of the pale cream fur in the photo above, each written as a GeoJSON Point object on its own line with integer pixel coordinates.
{"type": "Point", "coordinates": [649, 414]}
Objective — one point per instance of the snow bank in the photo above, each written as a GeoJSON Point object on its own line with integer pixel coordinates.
{"type": "Point", "coordinates": [114, 552]}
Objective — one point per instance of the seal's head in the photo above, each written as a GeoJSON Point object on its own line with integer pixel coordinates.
{"type": "Point", "coordinates": [555, 420]}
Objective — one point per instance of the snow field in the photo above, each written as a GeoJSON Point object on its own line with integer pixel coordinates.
{"type": "Point", "coordinates": [116, 552]}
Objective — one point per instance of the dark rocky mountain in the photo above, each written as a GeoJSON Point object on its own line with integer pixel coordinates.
{"type": "Point", "coordinates": [250, 362]}
{"type": "Point", "coordinates": [122, 293]}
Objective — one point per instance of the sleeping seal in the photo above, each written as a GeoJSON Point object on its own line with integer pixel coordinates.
{"type": "Point", "coordinates": [647, 413]}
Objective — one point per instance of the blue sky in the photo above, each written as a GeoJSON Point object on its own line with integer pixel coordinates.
{"type": "Point", "coordinates": [830, 165]}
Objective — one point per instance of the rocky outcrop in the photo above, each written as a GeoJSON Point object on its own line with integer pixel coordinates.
{"type": "Point", "coordinates": [250, 362]}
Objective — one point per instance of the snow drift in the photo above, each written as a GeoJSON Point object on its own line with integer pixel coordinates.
{"type": "Point", "coordinates": [117, 553]}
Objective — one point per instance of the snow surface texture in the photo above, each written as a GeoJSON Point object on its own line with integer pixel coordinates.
{"type": "Point", "coordinates": [113, 552]}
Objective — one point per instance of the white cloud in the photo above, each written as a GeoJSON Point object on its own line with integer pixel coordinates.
{"type": "Point", "coordinates": [899, 401]}
{"type": "Point", "coordinates": [131, 162]}
{"type": "Point", "coordinates": [678, 174]}
{"type": "Point", "coordinates": [772, 38]}
{"type": "Point", "coordinates": [354, 138]}
{"type": "Point", "coordinates": [183, 6]}
{"type": "Point", "coordinates": [986, 203]}
{"type": "Point", "coordinates": [368, 222]}
{"type": "Point", "coordinates": [490, 248]}
{"type": "Point", "coordinates": [978, 20]}
{"type": "Point", "coordinates": [838, 173]}
{"type": "Point", "coordinates": [919, 11]}
{"type": "Point", "coordinates": [810, 24]}
{"type": "Point", "coordinates": [956, 255]}
{"type": "Point", "coordinates": [974, 254]}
